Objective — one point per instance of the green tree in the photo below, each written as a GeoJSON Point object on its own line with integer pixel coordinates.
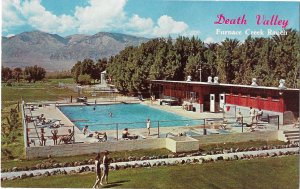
{"type": "Point", "coordinates": [34, 73]}
{"type": "Point", "coordinates": [99, 67]}
{"type": "Point", "coordinates": [6, 74]}
{"type": "Point", "coordinates": [76, 71]}
{"type": "Point", "coordinates": [227, 55]}
{"type": "Point", "coordinates": [84, 79]}
{"type": "Point", "coordinates": [211, 56]}
{"type": "Point", "coordinates": [17, 74]}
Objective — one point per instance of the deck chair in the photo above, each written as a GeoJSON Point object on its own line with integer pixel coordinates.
{"type": "Point", "coordinates": [52, 123]}
{"type": "Point", "coordinates": [67, 138]}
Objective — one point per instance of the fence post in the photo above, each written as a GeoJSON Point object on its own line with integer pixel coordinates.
{"type": "Point", "coordinates": [204, 130]}
{"type": "Point", "coordinates": [73, 135]}
{"type": "Point", "coordinates": [242, 124]}
{"type": "Point", "coordinates": [157, 129]}
{"type": "Point", "coordinates": [278, 121]}
{"type": "Point", "coordinates": [117, 128]}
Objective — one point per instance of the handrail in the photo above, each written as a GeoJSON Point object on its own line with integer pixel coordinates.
{"type": "Point", "coordinates": [34, 124]}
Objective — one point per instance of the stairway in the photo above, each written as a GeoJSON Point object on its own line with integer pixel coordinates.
{"type": "Point", "coordinates": [292, 136]}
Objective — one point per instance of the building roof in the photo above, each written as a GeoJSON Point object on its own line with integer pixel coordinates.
{"type": "Point", "coordinates": [226, 85]}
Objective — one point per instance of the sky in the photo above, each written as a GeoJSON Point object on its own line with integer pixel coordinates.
{"type": "Point", "coordinates": [145, 18]}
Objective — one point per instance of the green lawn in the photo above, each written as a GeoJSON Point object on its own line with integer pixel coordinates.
{"type": "Point", "coordinates": [30, 92]}
{"type": "Point", "coordinates": [120, 154]}
{"type": "Point", "coordinates": [240, 145]}
{"type": "Point", "coordinates": [138, 153]}
{"type": "Point", "coordinates": [266, 173]}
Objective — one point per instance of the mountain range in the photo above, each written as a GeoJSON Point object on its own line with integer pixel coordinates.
{"type": "Point", "coordinates": [54, 52]}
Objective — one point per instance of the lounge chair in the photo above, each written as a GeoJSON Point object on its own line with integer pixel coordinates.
{"type": "Point", "coordinates": [264, 118]}
{"type": "Point", "coordinates": [131, 137]}
{"type": "Point", "coordinates": [67, 138]}
{"type": "Point", "coordinates": [52, 123]}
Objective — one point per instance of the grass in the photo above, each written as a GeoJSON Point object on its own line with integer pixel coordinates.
{"type": "Point", "coordinates": [21, 163]}
{"type": "Point", "coordinates": [256, 173]}
{"type": "Point", "coordinates": [120, 154]}
{"type": "Point", "coordinates": [240, 145]}
{"type": "Point", "coordinates": [29, 92]}
{"type": "Point", "coordinates": [14, 148]}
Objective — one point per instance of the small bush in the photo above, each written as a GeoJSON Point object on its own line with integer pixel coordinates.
{"type": "Point", "coordinates": [84, 79]}
{"type": "Point", "coordinates": [59, 75]}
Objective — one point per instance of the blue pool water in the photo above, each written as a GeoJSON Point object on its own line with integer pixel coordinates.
{"type": "Point", "coordinates": [126, 115]}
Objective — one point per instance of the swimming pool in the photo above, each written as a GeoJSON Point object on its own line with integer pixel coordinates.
{"type": "Point", "coordinates": [126, 115]}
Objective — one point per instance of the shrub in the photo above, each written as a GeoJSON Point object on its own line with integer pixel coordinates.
{"type": "Point", "coordinates": [84, 79]}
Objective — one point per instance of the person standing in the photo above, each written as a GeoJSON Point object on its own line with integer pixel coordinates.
{"type": "Point", "coordinates": [43, 138]}
{"type": "Point", "coordinates": [259, 114]}
{"type": "Point", "coordinates": [105, 167]}
{"type": "Point", "coordinates": [98, 171]}
{"type": "Point", "coordinates": [239, 119]}
{"type": "Point", "coordinates": [54, 136]}
{"type": "Point", "coordinates": [252, 114]}
{"type": "Point", "coordinates": [148, 125]}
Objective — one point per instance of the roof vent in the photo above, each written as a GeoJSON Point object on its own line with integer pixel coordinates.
{"type": "Point", "coordinates": [209, 79]}
{"type": "Point", "coordinates": [216, 80]}
{"type": "Point", "coordinates": [189, 78]}
{"type": "Point", "coordinates": [281, 84]}
{"type": "Point", "coordinates": [254, 82]}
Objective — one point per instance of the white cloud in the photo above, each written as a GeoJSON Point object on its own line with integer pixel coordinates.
{"type": "Point", "coordinates": [209, 40]}
{"type": "Point", "coordinates": [41, 19]}
{"type": "Point", "coordinates": [166, 25]}
{"type": "Point", "coordinates": [100, 14]}
{"type": "Point", "coordinates": [140, 25]}
{"type": "Point", "coordinates": [10, 14]}
{"type": "Point", "coordinates": [96, 16]}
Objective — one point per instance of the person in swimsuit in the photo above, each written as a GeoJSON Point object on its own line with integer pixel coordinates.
{"type": "Point", "coordinates": [125, 133]}
{"type": "Point", "coordinates": [54, 136]}
{"type": "Point", "coordinates": [105, 168]}
{"type": "Point", "coordinates": [43, 138]}
{"type": "Point", "coordinates": [148, 125]}
{"type": "Point", "coordinates": [98, 171]}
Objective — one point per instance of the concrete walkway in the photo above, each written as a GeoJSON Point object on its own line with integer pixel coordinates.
{"type": "Point", "coordinates": [168, 161]}
{"type": "Point", "coordinates": [51, 111]}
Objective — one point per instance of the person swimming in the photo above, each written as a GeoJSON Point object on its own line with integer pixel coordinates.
{"type": "Point", "coordinates": [110, 114]}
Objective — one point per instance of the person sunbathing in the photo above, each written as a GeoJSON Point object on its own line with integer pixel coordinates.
{"type": "Point", "coordinates": [126, 135]}
{"type": "Point", "coordinates": [66, 138]}
{"type": "Point", "coordinates": [42, 119]}
{"type": "Point", "coordinates": [101, 136]}
{"type": "Point", "coordinates": [86, 131]}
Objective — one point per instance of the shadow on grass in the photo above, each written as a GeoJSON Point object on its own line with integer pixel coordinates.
{"type": "Point", "coordinates": [115, 184]}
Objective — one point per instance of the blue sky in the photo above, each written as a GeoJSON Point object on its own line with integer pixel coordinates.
{"type": "Point", "coordinates": [156, 18]}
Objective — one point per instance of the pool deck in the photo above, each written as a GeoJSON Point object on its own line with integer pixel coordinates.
{"type": "Point", "coordinates": [52, 112]}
